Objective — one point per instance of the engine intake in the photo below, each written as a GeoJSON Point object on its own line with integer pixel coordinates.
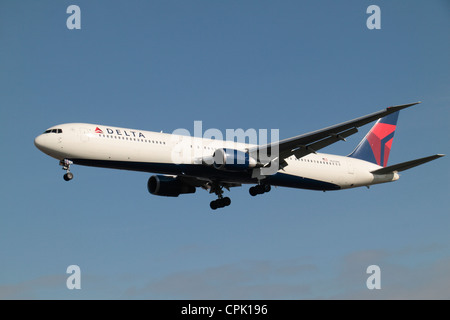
{"type": "Point", "coordinates": [168, 186]}
{"type": "Point", "coordinates": [232, 160]}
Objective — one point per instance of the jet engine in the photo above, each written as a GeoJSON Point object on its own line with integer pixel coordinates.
{"type": "Point", "coordinates": [232, 160]}
{"type": "Point", "coordinates": [168, 186]}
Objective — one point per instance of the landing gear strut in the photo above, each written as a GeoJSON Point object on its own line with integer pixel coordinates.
{"type": "Point", "coordinates": [259, 189]}
{"type": "Point", "coordinates": [221, 201]}
{"type": "Point", "coordinates": [66, 166]}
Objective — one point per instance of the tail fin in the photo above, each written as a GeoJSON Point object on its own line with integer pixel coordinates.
{"type": "Point", "coordinates": [376, 145]}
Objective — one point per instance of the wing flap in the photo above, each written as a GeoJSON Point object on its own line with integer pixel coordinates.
{"type": "Point", "coordinates": [312, 147]}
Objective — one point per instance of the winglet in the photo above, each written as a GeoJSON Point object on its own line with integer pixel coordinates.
{"type": "Point", "coordinates": [402, 106]}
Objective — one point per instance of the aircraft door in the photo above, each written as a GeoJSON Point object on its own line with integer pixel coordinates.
{"type": "Point", "coordinates": [350, 176]}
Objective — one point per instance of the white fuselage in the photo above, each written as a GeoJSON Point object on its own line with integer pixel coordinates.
{"type": "Point", "coordinates": [129, 149]}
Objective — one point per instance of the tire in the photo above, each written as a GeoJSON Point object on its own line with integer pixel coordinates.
{"type": "Point", "coordinates": [220, 203]}
{"type": "Point", "coordinates": [226, 201]}
{"type": "Point", "coordinates": [253, 191]}
{"type": "Point", "coordinates": [260, 189]}
{"type": "Point", "coordinates": [213, 205]}
{"type": "Point", "coordinates": [68, 176]}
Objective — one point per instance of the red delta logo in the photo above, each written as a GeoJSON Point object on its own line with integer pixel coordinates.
{"type": "Point", "coordinates": [380, 139]}
{"type": "Point", "coordinates": [98, 130]}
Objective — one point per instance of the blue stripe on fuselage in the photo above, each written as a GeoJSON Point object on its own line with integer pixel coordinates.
{"type": "Point", "coordinates": [278, 179]}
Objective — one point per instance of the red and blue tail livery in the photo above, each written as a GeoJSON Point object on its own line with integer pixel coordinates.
{"type": "Point", "coordinates": [377, 144]}
{"type": "Point", "coordinates": [217, 165]}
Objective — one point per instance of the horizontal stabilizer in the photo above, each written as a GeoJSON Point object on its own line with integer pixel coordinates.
{"type": "Point", "coordinates": [406, 165]}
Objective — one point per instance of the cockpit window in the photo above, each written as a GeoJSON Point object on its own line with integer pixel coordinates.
{"type": "Point", "coordinates": [53, 131]}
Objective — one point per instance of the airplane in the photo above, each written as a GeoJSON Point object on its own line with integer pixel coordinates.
{"type": "Point", "coordinates": [293, 162]}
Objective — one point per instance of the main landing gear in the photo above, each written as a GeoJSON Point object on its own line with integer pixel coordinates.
{"type": "Point", "coordinates": [259, 189]}
{"type": "Point", "coordinates": [221, 201]}
{"type": "Point", "coordinates": [66, 166]}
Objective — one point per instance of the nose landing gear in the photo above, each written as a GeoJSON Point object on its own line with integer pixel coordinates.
{"type": "Point", "coordinates": [66, 166]}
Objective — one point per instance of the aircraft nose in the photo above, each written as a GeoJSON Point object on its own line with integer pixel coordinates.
{"type": "Point", "coordinates": [43, 143]}
{"type": "Point", "coordinates": [49, 144]}
{"type": "Point", "coordinates": [38, 142]}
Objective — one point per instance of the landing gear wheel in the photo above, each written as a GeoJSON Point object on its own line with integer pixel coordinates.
{"type": "Point", "coordinates": [259, 189]}
{"type": "Point", "coordinates": [220, 203]}
{"type": "Point", "coordinates": [226, 201]}
{"type": "Point", "coordinates": [65, 163]}
{"type": "Point", "coordinates": [68, 176]}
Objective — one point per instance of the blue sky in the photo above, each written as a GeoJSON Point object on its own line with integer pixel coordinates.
{"type": "Point", "coordinates": [295, 66]}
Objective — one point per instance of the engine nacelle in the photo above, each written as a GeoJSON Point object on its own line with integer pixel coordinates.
{"type": "Point", "coordinates": [232, 160]}
{"type": "Point", "coordinates": [168, 186]}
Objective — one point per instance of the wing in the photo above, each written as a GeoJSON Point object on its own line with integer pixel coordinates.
{"type": "Point", "coordinates": [307, 143]}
